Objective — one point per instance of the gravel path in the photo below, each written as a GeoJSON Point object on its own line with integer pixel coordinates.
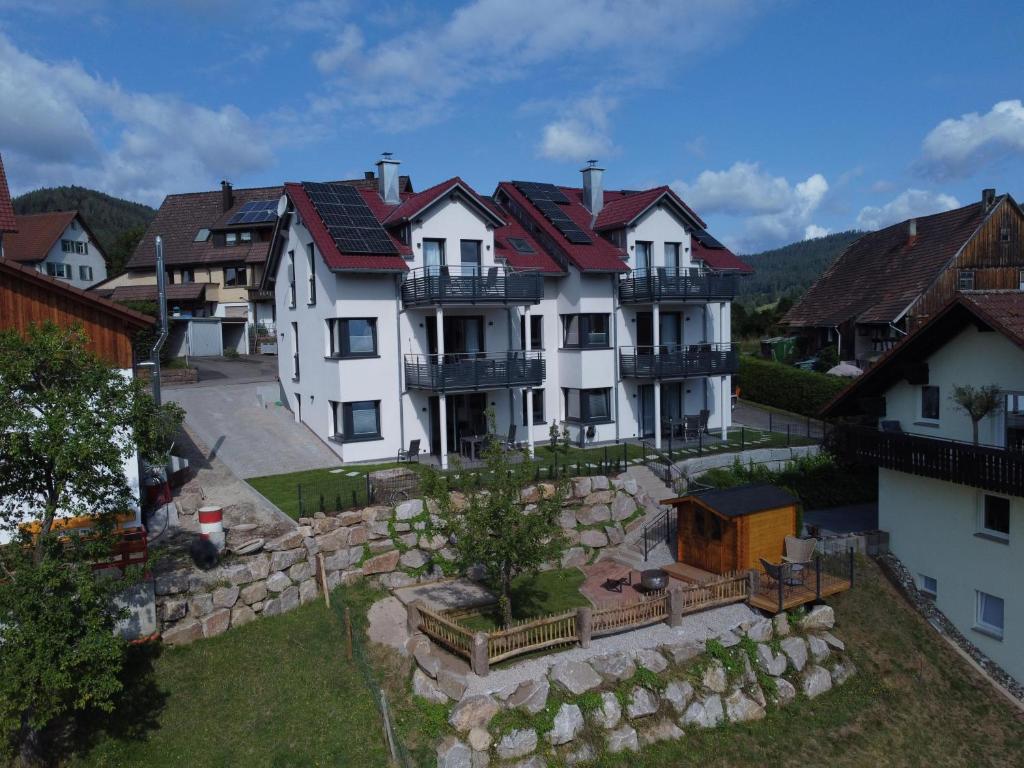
{"type": "Point", "coordinates": [696, 627]}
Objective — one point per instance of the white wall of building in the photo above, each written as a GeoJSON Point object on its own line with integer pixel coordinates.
{"type": "Point", "coordinates": [92, 260]}
{"type": "Point", "coordinates": [659, 225]}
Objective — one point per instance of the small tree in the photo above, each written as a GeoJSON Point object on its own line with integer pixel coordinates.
{"type": "Point", "coordinates": [495, 528]}
{"type": "Point", "coordinates": [68, 425]}
{"type": "Point", "coordinates": [977, 402]}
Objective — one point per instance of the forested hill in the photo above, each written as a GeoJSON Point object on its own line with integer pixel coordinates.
{"type": "Point", "coordinates": [118, 224]}
{"type": "Point", "coordinates": [790, 270]}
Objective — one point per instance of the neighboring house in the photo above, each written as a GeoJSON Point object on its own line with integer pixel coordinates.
{"type": "Point", "coordinates": [404, 317]}
{"type": "Point", "coordinates": [954, 510]}
{"type": "Point", "coordinates": [58, 244]}
{"type": "Point", "coordinates": [8, 224]}
{"type": "Point", "coordinates": [28, 297]}
{"type": "Point", "coordinates": [888, 282]}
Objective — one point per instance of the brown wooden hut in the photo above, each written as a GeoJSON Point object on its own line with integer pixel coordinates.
{"type": "Point", "coordinates": [731, 529]}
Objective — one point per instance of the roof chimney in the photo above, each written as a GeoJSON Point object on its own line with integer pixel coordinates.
{"type": "Point", "coordinates": [988, 197]}
{"type": "Point", "coordinates": [368, 175]}
{"type": "Point", "coordinates": [227, 199]}
{"type": "Point", "coordinates": [912, 228]}
{"type": "Point", "coordinates": [593, 187]}
{"type": "Point", "coordinates": [387, 179]}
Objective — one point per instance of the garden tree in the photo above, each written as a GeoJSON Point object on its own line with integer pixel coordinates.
{"type": "Point", "coordinates": [977, 402]}
{"type": "Point", "coordinates": [68, 424]}
{"type": "Point", "coordinates": [495, 528]}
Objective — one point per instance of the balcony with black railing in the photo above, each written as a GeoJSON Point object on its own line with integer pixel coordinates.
{"type": "Point", "coordinates": [470, 284]}
{"type": "Point", "coordinates": [677, 361]}
{"type": "Point", "coordinates": [987, 467]}
{"type": "Point", "coordinates": [466, 372]}
{"type": "Point", "coordinates": [642, 286]}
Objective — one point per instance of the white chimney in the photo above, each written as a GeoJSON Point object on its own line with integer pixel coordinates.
{"type": "Point", "coordinates": [387, 179]}
{"type": "Point", "coordinates": [593, 187]}
{"type": "Point", "coordinates": [912, 228]}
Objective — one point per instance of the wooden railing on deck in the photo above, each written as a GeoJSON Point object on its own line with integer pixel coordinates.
{"type": "Point", "coordinates": [532, 635]}
{"type": "Point", "coordinates": [453, 636]}
{"type": "Point", "coordinates": [730, 588]}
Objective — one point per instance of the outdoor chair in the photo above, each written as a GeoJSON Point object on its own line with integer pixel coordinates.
{"type": "Point", "coordinates": [413, 454]}
{"type": "Point", "coordinates": [705, 414]}
{"type": "Point", "coordinates": [691, 427]}
{"type": "Point", "coordinates": [776, 573]}
{"type": "Point", "coordinates": [799, 553]}
{"type": "Point", "coordinates": [509, 443]}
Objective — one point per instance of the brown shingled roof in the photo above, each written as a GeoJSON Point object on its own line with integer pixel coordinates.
{"type": "Point", "coordinates": [175, 292]}
{"type": "Point", "coordinates": [37, 232]}
{"type": "Point", "coordinates": [879, 276]}
{"type": "Point", "coordinates": [7, 222]}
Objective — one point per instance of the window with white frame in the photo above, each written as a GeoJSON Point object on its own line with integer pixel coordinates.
{"type": "Point", "coordinates": [311, 291]}
{"type": "Point", "coordinates": [994, 519]}
{"type": "Point", "coordinates": [68, 246]}
{"type": "Point", "coordinates": [84, 272]}
{"type": "Point", "coordinates": [965, 280]}
{"type": "Point", "coordinates": [989, 618]}
{"type": "Point", "coordinates": [928, 584]}
{"type": "Point", "coordinates": [930, 403]}
{"type": "Point", "coordinates": [291, 279]}
{"type": "Point", "coordinates": [58, 270]}
{"type": "Point", "coordinates": [352, 337]}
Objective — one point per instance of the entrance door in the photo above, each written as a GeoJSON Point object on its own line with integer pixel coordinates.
{"type": "Point", "coordinates": [670, 329]}
{"type": "Point", "coordinates": [461, 335]}
{"type": "Point", "coordinates": [646, 410]}
{"type": "Point", "coordinates": [644, 329]}
{"type": "Point", "coordinates": [435, 425]}
{"type": "Point", "coordinates": [466, 416]}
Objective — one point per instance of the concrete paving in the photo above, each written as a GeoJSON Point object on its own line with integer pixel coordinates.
{"type": "Point", "coordinates": [753, 415]}
{"type": "Point", "coordinates": [242, 425]}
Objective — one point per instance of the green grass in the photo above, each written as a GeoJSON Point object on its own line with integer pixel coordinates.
{"type": "Point", "coordinates": [276, 692]}
{"type": "Point", "coordinates": [282, 490]}
{"type": "Point", "coordinates": [534, 596]}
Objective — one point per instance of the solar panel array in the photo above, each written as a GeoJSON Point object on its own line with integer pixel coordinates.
{"type": "Point", "coordinates": [707, 240]}
{"type": "Point", "coordinates": [547, 198]}
{"type": "Point", "coordinates": [349, 220]}
{"type": "Point", "coordinates": [255, 212]}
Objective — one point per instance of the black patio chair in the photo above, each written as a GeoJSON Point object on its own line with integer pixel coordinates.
{"type": "Point", "coordinates": [775, 573]}
{"type": "Point", "coordinates": [509, 444]}
{"type": "Point", "coordinates": [413, 454]}
{"type": "Point", "coordinates": [702, 425]}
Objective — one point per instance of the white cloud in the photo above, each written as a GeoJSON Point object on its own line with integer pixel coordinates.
{"type": "Point", "coordinates": [409, 79]}
{"type": "Point", "coordinates": [581, 133]}
{"type": "Point", "coordinates": [773, 211]}
{"type": "Point", "coordinates": [347, 46]}
{"type": "Point", "coordinates": [906, 205]}
{"type": "Point", "coordinates": [813, 231]}
{"type": "Point", "coordinates": [60, 124]}
{"type": "Point", "coordinates": [958, 146]}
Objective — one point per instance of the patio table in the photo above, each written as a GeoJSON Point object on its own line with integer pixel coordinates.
{"type": "Point", "coordinates": [471, 446]}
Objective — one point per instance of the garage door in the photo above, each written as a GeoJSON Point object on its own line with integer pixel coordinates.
{"type": "Point", "coordinates": [204, 337]}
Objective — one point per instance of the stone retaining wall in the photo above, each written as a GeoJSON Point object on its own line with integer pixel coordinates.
{"type": "Point", "coordinates": [772, 458]}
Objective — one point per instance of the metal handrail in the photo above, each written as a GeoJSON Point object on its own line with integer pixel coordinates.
{"type": "Point", "coordinates": [657, 283]}
{"type": "Point", "coordinates": [471, 283]}
{"type": "Point", "coordinates": [676, 360]}
{"type": "Point", "coordinates": [475, 370]}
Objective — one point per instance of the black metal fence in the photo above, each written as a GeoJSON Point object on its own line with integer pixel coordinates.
{"type": "Point", "coordinates": [646, 285]}
{"type": "Point", "coordinates": [461, 372]}
{"type": "Point", "coordinates": [472, 284]}
{"type": "Point", "coordinates": [676, 361]}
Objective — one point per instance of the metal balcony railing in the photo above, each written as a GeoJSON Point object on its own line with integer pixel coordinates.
{"type": "Point", "coordinates": [677, 361]}
{"type": "Point", "coordinates": [470, 284]}
{"type": "Point", "coordinates": [662, 283]}
{"type": "Point", "coordinates": [462, 372]}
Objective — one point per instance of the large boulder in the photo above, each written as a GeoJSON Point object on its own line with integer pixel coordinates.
{"type": "Point", "coordinates": [742, 708]}
{"type": "Point", "coordinates": [662, 730]}
{"type": "Point", "coordinates": [842, 672]}
{"type": "Point", "coordinates": [409, 509]}
{"type": "Point", "coordinates": [452, 682]}
{"type": "Point", "coordinates": [567, 519]}
{"type": "Point", "coordinates": [642, 702]}
{"type": "Point", "coordinates": [479, 739]}
{"type": "Point", "coordinates": [623, 507]}
{"type": "Point", "coordinates": [473, 712]}
{"type": "Point", "coordinates": [599, 497]}
{"type": "Point", "coordinates": [216, 623]}
{"type": "Point", "coordinates": [599, 483]}
{"type": "Point", "coordinates": [581, 487]}
{"type": "Point", "coordinates": [615, 534]}
{"type": "Point", "coordinates": [796, 649]}
{"type": "Point", "coordinates": [614, 666]}
{"type": "Point", "coordinates": [594, 539]}
{"type": "Point", "coordinates": [609, 713]}
{"type": "Point", "coordinates": [183, 633]}
{"type": "Point", "coordinates": [714, 677]}
{"type": "Point", "coordinates": [517, 743]}
{"type": "Point", "coordinates": [599, 513]}
{"type": "Point", "coordinates": [816, 680]}
{"type": "Point", "coordinates": [384, 563]}
{"type": "Point", "coordinates": [278, 582]}
{"type": "Point", "coordinates": [784, 692]}
{"type": "Point", "coordinates": [760, 631]}
{"type": "Point", "coordinates": [833, 641]}
{"type": "Point", "coordinates": [650, 659]}
{"type": "Point", "coordinates": [531, 696]}
{"type": "Point", "coordinates": [772, 663]}
{"type": "Point", "coordinates": [567, 725]}
{"type": "Point", "coordinates": [678, 694]}
{"type": "Point", "coordinates": [819, 648]}
{"type": "Point", "coordinates": [452, 753]}
{"type": "Point", "coordinates": [713, 710]}
{"type": "Point", "coordinates": [414, 558]}
{"type": "Point", "coordinates": [426, 688]}
{"type": "Point", "coordinates": [574, 556]}
{"type": "Point", "coordinates": [286, 558]}
{"type": "Point", "coordinates": [576, 677]}
{"type": "Point", "coordinates": [682, 653]}
{"type": "Point", "coordinates": [820, 617]}
{"type": "Point", "coordinates": [289, 540]}
{"type": "Point", "coordinates": [623, 739]}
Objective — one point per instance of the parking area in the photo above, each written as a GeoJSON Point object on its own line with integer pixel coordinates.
{"type": "Point", "coordinates": [234, 411]}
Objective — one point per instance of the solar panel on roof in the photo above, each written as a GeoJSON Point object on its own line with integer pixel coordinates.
{"type": "Point", "coordinates": [254, 212]}
{"type": "Point", "coordinates": [348, 218]}
{"type": "Point", "coordinates": [546, 199]}
{"type": "Point", "coordinates": [520, 245]}
{"type": "Point", "coordinates": [535, 190]}
{"type": "Point", "coordinates": [707, 240]}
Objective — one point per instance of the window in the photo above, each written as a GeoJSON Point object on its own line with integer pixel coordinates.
{"type": "Point", "coordinates": [81, 247]}
{"type": "Point", "coordinates": [587, 405]}
{"type": "Point", "coordinates": [1014, 418]}
{"type": "Point", "coordinates": [235, 276]}
{"type": "Point", "coordinates": [353, 337]}
{"type": "Point", "coordinates": [170, 277]}
{"type": "Point", "coordinates": [585, 331]}
{"type": "Point", "coordinates": [672, 260]}
{"type": "Point", "coordinates": [929, 585]}
{"type": "Point", "coordinates": [965, 280]}
{"type": "Point", "coordinates": [1020, 280]}
{"type": "Point", "coordinates": [310, 253]}
{"type": "Point", "coordinates": [291, 279]}
{"type": "Point", "coordinates": [68, 246]}
{"type": "Point", "coordinates": [202, 235]}
{"type": "Point", "coordinates": [58, 270]}
{"type": "Point", "coordinates": [536, 332]}
{"type": "Point", "coordinates": [84, 272]}
{"type": "Point", "coordinates": [360, 420]}
{"type": "Point", "coordinates": [245, 237]}
{"type": "Point", "coordinates": [1004, 234]}
{"type": "Point", "coordinates": [538, 407]}
{"type": "Point", "coordinates": [521, 245]}
{"type": "Point", "coordinates": [188, 276]}
{"type": "Point", "coordinates": [643, 255]}
{"type": "Point", "coordinates": [995, 516]}
{"type": "Point", "coordinates": [930, 403]}
{"type": "Point", "coordinates": [295, 351]}
{"type": "Point", "coordinates": [469, 255]}
{"type": "Point", "coordinates": [989, 620]}
{"type": "Point", "coordinates": [231, 238]}
{"type": "Point", "coordinates": [433, 256]}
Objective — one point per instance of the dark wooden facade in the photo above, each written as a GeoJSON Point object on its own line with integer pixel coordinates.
{"type": "Point", "coordinates": [28, 298]}
{"type": "Point", "coordinates": [995, 254]}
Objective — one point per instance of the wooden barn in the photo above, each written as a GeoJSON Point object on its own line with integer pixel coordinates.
{"type": "Point", "coordinates": [731, 529]}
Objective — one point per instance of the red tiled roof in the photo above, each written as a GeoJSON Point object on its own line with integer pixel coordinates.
{"type": "Point", "coordinates": [621, 208]}
{"type": "Point", "coordinates": [37, 232]}
{"type": "Point", "coordinates": [414, 204]}
{"type": "Point", "coordinates": [596, 256]}
{"type": "Point", "coordinates": [7, 222]}
{"type": "Point", "coordinates": [1002, 309]}
{"type": "Point", "coordinates": [879, 276]}
{"type": "Point", "coordinates": [719, 259]}
{"type": "Point", "coordinates": [503, 249]}
{"type": "Point", "coordinates": [334, 258]}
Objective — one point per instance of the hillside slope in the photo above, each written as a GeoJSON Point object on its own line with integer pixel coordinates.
{"type": "Point", "coordinates": [790, 270]}
{"type": "Point", "coordinates": [117, 223]}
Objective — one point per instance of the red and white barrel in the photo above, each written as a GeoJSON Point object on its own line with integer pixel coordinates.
{"type": "Point", "coordinates": [211, 525]}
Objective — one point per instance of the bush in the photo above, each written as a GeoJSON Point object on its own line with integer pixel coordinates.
{"type": "Point", "coordinates": [791, 389]}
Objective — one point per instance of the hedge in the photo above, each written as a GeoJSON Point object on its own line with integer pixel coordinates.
{"type": "Point", "coordinates": [785, 387]}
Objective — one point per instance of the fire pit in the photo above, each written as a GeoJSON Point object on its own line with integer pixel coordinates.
{"type": "Point", "coordinates": [653, 579]}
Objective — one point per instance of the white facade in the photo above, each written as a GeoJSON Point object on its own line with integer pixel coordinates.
{"type": "Point", "coordinates": [325, 383]}
{"type": "Point", "coordinates": [939, 528]}
{"type": "Point", "coordinates": [75, 258]}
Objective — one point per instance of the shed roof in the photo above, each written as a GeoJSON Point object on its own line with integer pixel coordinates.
{"type": "Point", "coordinates": [745, 499]}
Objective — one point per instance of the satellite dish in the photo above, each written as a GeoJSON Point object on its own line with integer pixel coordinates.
{"type": "Point", "coordinates": [282, 206]}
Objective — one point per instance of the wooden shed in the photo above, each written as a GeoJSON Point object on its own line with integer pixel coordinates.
{"type": "Point", "coordinates": [731, 529]}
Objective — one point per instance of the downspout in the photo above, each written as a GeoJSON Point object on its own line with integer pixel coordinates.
{"type": "Point", "coordinates": [161, 297]}
{"type": "Point", "coordinates": [401, 359]}
{"type": "Point", "coordinates": [839, 343]}
{"type": "Point", "coordinates": [615, 349]}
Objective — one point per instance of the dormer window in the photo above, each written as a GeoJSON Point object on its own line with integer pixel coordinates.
{"type": "Point", "coordinates": [245, 237]}
{"type": "Point", "coordinates": [202, 235]}
{"type": "Point", "coordinates": [231, 238]}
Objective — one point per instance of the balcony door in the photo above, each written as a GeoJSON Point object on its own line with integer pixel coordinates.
{"type": "Point", "coordinates": [671, 329]}
{"type": "Point", "coordinates": [461, 335]}
{"type": "Point", "coordinates": [467, 416]}
{"type": "Point", "coordinates": [646, 410]}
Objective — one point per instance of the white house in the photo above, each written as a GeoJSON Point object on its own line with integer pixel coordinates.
{"type": "Point", "coordinates": [405, 316]}
{"type": "Point", "coordinates": [954, 510]}
{"type": "Point", "coordinates": [58, 244]}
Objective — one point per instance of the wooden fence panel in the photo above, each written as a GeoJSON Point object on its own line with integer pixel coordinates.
{"type": "Point", "coordinates": [446, 632]}
{"type": "Point", "coordinates": [533, 635]}
{"type": "Point", "coordinates": [729, 589]}
{"type": "Point", "coordinates": [649, 610]}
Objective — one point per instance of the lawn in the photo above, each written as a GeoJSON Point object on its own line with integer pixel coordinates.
{"type": "Point", "coordinates": [535, 596]}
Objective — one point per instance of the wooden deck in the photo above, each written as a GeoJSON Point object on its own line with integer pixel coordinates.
{"type": "Point", "coordinates": [689, 573]}
{"type": "Point", "coordinates": [793, 595]}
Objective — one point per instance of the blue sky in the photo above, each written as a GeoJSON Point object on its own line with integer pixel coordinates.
{"type": "Point", "coordinates": [775, 120]}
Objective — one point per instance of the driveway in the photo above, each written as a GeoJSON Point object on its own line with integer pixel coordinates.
{"type": "Point", "coordinates": [754, 415]}
{"type": "Point", "coordinates": [238, 370]}
{"type": "Point", "coordinates": [237, 417]}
